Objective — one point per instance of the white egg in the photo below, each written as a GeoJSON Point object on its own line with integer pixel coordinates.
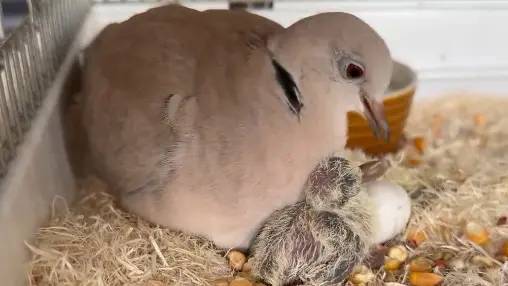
{"type": "Point", "coordinates": [392, 208]}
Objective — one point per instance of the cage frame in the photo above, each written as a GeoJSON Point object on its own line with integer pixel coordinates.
{"type": "Point", "coordinates": [30, 57]}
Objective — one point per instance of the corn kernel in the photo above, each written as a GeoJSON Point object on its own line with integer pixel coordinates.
{"type": "Point", "coordinates": [392, 264]}
{"type": "Point", "coordinates": [398, 252]}
{"type": "Point", "coordinates": [477, 233]}
{"type": "Point", "coordinates": [421, 264]}
{"type": "Point", "coordinates": [416, 237]}
{"type": "Point", "coordinates": [236, 259]}
{"type": "Point", "coordinates": [420, 144]}
{"type": "Point", "coordinates": [362, 275]}
{"type": "Point", "coordinates": [239, 281]}
{"type": "Point", "coordinates": [479, 120]}
{"type": "Point", "coordinates": [424, 279]}
{"type": "Point", "coordinates": [504, 249]}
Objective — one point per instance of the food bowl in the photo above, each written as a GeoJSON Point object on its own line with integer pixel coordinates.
{"type": "Point", "coordinates": [397, 103]}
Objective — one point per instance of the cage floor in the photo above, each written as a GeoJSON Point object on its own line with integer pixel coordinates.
{"type": "Point", "coordinates": [456, 175]}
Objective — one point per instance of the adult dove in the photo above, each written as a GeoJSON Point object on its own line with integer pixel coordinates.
{"type": "Point", "coordinates": [207, 122]}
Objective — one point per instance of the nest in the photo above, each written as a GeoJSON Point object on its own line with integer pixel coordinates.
{"type": "Point", "coordinates": [458, 176]}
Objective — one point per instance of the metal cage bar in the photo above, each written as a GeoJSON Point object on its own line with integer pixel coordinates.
{"type": "Point", "coordinates": [29, 59]}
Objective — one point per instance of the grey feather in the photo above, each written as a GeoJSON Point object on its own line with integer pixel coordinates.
{"type": "Point", "coordinates": [320, 240]}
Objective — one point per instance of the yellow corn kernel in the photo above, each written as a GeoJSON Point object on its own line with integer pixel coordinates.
{"type": "Point", "coordinates": [477, 233]}
{"type": "Point", "coordinates": [416, 237]}
{"type": "Point", "coordinates": [392, 264]}
{"type": "Point", "coordinates": [221, 282]}
{"type": "Point", "coordinates": [362, 275]}
{"type": "Point", "coordinates": [420, 144]}
{"type": "Point", "coordinates": [424, 279]}
{"type": "Point", "coordinates": [398, 252]}
{"type": "Point", "coordinates": [239, 281]}
{"type": "Point", "coordinates": [421, 264]}
{"type": "Point", "coordinates": [479, 120]}
{"type": "Point", "coordinates": [236, 259]}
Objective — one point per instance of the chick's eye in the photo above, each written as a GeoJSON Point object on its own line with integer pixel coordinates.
{"type": "Point", "coordinates": [354, 71]}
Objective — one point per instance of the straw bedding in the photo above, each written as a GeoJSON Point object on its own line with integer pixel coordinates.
{"type": "Point", "coordinates": [461, 177]}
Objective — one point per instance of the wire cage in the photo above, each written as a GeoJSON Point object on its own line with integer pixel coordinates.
{"type": "Point", "coordinates": [29, 59]}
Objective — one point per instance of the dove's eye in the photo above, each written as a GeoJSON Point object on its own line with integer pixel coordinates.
{"type": "Point", "coordinates": [351, 70]}
{"type": "Point", "coordinates": [354, 71]}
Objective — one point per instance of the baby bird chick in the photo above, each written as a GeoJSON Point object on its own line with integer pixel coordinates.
{"type": "Point", "coordinates": [317, 241]}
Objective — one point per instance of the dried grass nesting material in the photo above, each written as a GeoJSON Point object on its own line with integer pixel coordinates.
{"type": "Point", "coordinates": [461, 176]}
{"type": "Point", "coordinates": [96, 243]}
{"type": "Point", "coordinates": [462, 180]}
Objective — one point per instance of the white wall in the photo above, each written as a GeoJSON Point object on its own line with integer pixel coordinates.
{"type": "Point", "coordinates": [40, 172]}
{"type": "Point", "coordinates": [453, 45]}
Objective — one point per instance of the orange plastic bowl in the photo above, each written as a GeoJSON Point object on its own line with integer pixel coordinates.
{"type": "Point", "coordinates": [397, 103]}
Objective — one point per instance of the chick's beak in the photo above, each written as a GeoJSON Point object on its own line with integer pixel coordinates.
{"type": "Point", "coordinates": [374, 112]}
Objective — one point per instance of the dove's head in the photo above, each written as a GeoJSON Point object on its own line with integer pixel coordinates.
{"type": "Point", "coordinates": [337, 63]}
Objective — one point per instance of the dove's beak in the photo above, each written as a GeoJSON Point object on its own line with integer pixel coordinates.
{"type": "Point", "coordinates": [374, 112]}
